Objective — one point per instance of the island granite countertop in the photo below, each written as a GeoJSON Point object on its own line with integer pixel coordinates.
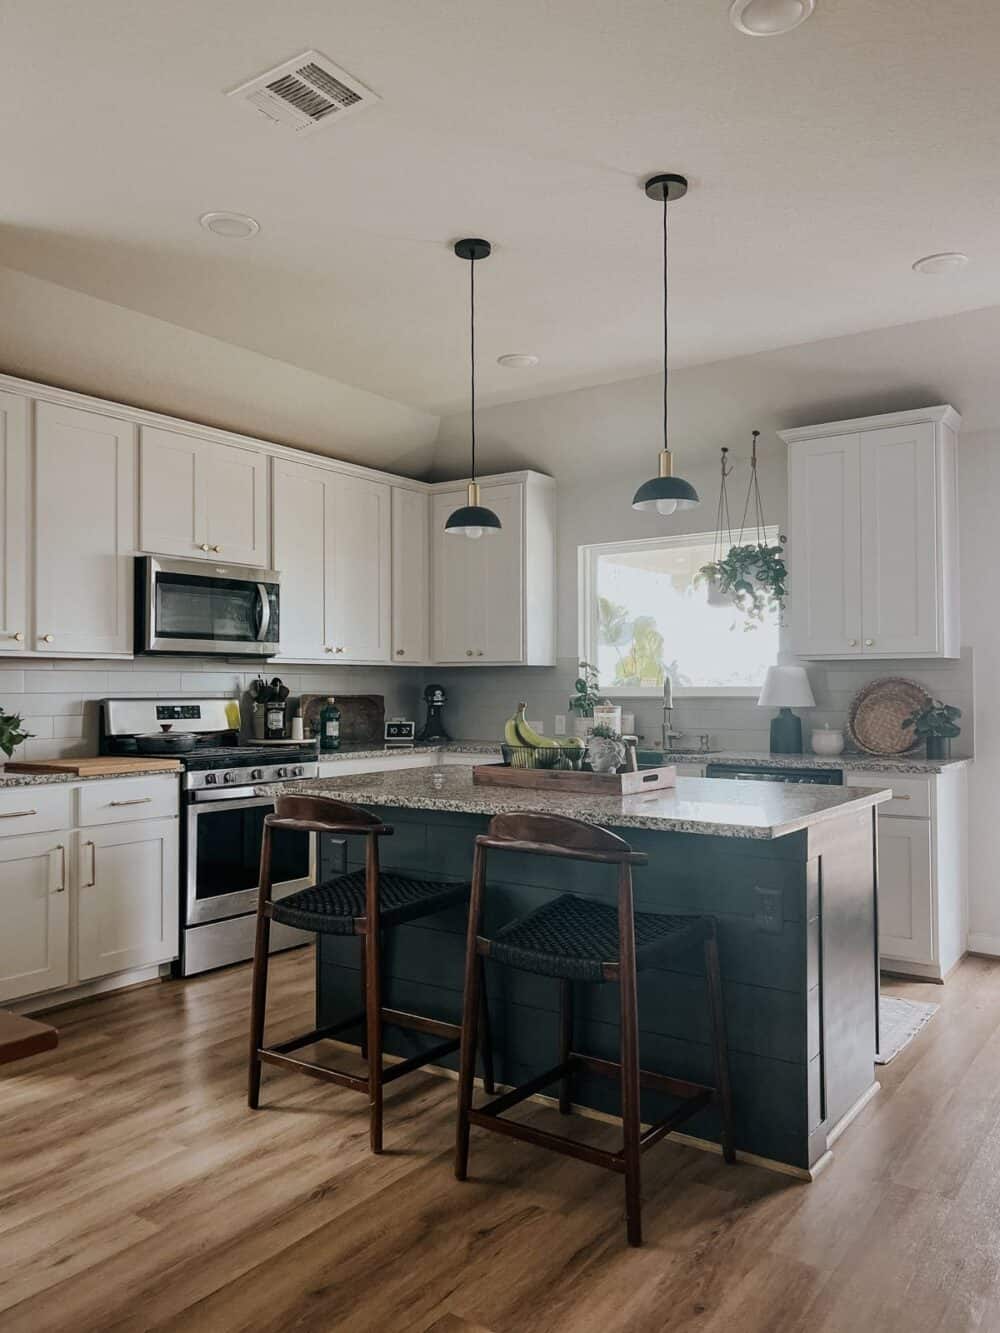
{"type": "Point", "coordinates": [710, 806]}
{"type": "Point", "coordinates": [852, 762]}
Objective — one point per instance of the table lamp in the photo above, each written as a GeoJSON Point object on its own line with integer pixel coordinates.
{"type": "Point", "coordinates": [785, 688]}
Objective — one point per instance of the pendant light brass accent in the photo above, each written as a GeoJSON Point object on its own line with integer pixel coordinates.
{"type": "Point", "coordinates": [665, 493]}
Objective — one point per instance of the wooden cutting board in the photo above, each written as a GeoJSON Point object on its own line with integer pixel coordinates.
{"type": "Point", "coordinates": [104, 766]}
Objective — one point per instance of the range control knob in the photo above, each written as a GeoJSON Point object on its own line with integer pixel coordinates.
{"type": "Point", "coordinates": [228, 776]}
{"type": "Point", "coordinates": [210, 779]}
{"type": "Point", "coordinates": [256, 774]}
{"type": "Point", "coordinates": [297, 771]}
{"type": "Point", "coordinates": [281, 773]}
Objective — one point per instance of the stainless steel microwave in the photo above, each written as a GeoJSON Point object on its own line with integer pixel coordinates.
{"type": "Point", "coordinates": [194, 606]}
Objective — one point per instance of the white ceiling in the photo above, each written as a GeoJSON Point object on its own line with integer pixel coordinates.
{"type": "Point", "coordinates": [822, 164]}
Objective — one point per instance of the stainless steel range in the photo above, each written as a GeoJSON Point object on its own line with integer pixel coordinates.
{"type": "Point", "coordinates": [221, 819]}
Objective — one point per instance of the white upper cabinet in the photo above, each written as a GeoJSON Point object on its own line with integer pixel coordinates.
{"type": "Point", "coordinates": [411, 559]}
{"type": "Point", "coordinates": [494, 598]}
{"type": "Point", "coordinates": [332, 534]}
{"type": "Point", "coordinates": [84, 531]}
{"type": "Point", "coordinates": [13, 523]}
{"type": "Point", "coordinates": [202, 499]}
{"type": "Point", "coordinates": [873, 537]}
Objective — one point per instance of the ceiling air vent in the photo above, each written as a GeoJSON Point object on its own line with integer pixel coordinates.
{"type": "Point", "coordinates": [305, 94]}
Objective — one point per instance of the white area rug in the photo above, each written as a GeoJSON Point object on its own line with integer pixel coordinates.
{"type": "Point", "coordinates": [899, 1022]}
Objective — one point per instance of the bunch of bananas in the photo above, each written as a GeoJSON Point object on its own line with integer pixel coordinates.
{"type": "Point", "coordinates": [530, 749]}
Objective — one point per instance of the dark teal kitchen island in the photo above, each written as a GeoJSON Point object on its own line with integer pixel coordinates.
{"type": "Point", "coordinates": [789, 872]}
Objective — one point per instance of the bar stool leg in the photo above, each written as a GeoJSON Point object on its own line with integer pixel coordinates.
{"type": "Point", "coordinates": [629, 1058]}
{"type": "Point", "coordinates": [373, 1024]}
{"type": "Point", "coordinates": [261, 956]}
{"type": "Point", "coordinates": [487, 1042]}
{"type": "Point", "coordinates": [471, 1009]}
{"type": "Point", "coordinates": [565, 1043]}
{"type": "Point", "coordinates": [720, 1045]}
{"type": "Point", "coordinates": [364, 1000]}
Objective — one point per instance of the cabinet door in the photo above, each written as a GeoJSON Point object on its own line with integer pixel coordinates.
{"type": "Point", "coordinates": [302, 527]}
{"type": "Point", "coordinates": [233, 485]}
{"type": "Point", "coordinates": [905, 913]}
{"type": "Point", "coordinates": [84, 531]}
{"type": "Point", "coordinates": [13, 522]}
{"type": "Point", "coordinates": [127, 915]}
{"type": "Point", "coordinates": [824, 546]}
{"type": "Point", "coordinates": [171, 512]}
{"type": "Point", "coordinates": [503, 577]}
{"type": "Point", "coordinates": [459, 580]}
{"type": "Point", "coordinates": [360, 581]}
{"type": "Point", "coordinates": [899, 541]}
{"type": "Point", "coordinates": [410, 575]}
{"type": "Point", "coordinates": [34, 941]}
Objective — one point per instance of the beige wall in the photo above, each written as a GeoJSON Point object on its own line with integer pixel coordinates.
{"type": "Point", "coordinates": [66, 338]}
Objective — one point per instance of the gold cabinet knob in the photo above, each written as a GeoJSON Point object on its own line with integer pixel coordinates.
{"type": "Point", "coordinates": [328, 648]}
{"type": "Point", "coordinates": [47, 638]}
{"type": "Point", "coordinates": [205, 546]}
{"type": "Point", "coordinates": [869, 643]}
{"type": "Point", "coordinates": [400, 652]}
{"type": "Point", "coordinates": [852, 643]}
{"type": "Point", "coordinates": [469, 652]}
{"type": "Point", "coordinates": [479, 652]}
{"type": "Point", "coordinates": [17, 636]}
{"type": "Point", "coordinates": [216, 549]}
{"type": "Point", "coordinates": [340, 650]}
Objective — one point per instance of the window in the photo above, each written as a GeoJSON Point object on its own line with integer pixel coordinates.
{"type": "Point", "coordinates": [642, 615]}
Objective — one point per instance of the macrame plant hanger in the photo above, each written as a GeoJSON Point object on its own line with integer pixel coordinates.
{"type": "Point", "coordinates": [753, 500]}
{"type": "Point", "coordinates": [723, 523]}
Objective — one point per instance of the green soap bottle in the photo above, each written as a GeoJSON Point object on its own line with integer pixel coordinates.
{"type": "Point", "coordinates": [329, 725]}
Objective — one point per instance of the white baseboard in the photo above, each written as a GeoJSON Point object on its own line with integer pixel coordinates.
{"type": "Point", "coordinates": [51, 1000]}
{"type": "Point", "coordinates": [987, 944]}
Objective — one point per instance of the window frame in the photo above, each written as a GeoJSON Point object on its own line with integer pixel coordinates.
{"type": "Point", "coordinates": [587, 557]}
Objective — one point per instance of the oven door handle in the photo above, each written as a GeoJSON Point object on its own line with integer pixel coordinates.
{"type": "Point", "coordinates": [264, 608]}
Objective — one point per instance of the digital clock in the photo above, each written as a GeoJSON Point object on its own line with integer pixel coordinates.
{"type": "Point", "coordinates": [399, 733]}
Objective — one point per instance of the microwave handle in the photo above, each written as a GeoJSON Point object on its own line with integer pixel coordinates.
{"type": "Point", "coordinates": [265, 611]}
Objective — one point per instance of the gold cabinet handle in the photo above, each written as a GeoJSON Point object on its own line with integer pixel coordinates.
{"type": "Point", "coordinates": [136, 800]}
{"type": "Point", "coordinates": [61, 886]}
{"type": "Point", "coordinates": [93, 866]}
{"type": "Point", "coordinates": [17, 814]}
{"type": "Point", "coordinates": [47, 638]}
{"type": "Point", "coordinates": [900, 798]}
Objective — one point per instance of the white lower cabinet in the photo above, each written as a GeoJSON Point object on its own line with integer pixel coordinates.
{"type": "Point", "coordinates": [127, 900]}
{"type": "Point", "coordinates": [88, 882]}
{"type": "Point", "coordinates": [34, 900]}
{"type": "Point", "coordinates": [922, 871]}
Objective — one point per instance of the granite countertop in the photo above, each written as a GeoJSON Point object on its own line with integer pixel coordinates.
{"type": "Point", "coordinates": [9, 780]}
{"type": "Point", "coordinates": [382, 751]}
{"type": "Point", "coordinates": [868, 763]}
{"type": "Point", "coordinates": [711, 806]}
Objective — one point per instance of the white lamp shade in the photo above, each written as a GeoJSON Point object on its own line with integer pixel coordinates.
{"type": "Point", "coordinates": [786, 687]}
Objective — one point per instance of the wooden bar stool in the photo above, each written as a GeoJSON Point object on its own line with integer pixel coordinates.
{"type": "Point", "coordinates": [363, 903]}
{"type": "Point", "coordinates": [577, 939]}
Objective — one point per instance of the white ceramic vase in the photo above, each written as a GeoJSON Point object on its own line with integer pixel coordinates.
{"type": "Point", "coordinates": [605, 755]}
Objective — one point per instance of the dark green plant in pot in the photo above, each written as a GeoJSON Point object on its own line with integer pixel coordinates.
{"type": "Point", "coordinates": [937, 724]}
{"type": "Point", "coordinates": [12, 732]}
{"type": "Point", "coordinates": [753, 576]}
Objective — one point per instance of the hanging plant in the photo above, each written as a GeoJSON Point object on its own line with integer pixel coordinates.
{"type": "Point", "coordinates": [750, 575]}
{"type": "Point", "coordinates": [716, 594]}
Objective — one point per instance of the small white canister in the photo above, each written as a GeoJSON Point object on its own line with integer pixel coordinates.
{"type": "Point", "coordinates": [608, 715]}
{"type": "Point", "coordinates": [827, 740]}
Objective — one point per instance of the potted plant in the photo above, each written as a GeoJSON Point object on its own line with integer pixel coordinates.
{"type": "Point", "coordinates": [752, 577]}
{"type": "Point", "coordinates": [937, 724]}
{"type": "Point", "coordinates": [12, 732]}
{"type": "Point", "coordinates": [605, 749]}
{"type": "Point", "coordinates": [586, 698]}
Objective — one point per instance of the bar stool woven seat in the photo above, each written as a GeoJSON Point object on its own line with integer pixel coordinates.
{"type": "Point", "coordinates": [576, 938]}
{"type": "Point", "coordinates": [336, 907]}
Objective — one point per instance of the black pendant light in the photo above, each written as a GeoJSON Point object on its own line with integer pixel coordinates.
{"type": "Point", "coordinates": [473, 519]}
{"type": "Point", "coordinates": [665, 493]}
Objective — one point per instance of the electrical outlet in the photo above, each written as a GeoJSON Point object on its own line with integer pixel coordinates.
{"type": "Point", "coordinates": [767, 916]}
{"type": "Point", "coordinates": [560, 724]}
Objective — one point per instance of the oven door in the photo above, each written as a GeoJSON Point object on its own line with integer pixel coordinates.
{"type": "Point", "coordinates": [190, 606]}
{"type": "Point", "coordinates": [223, 858]}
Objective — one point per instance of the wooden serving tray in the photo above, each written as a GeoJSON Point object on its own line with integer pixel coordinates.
{"type": "Point", "coordinates": [575, 780]}
{"type": "Point", "coordinates": [106, 766]}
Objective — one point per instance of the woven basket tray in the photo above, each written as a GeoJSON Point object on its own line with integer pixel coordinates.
{"type": "Point", "coordinates": [877, 713]}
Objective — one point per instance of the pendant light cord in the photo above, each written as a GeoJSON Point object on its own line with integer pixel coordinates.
{"type": "Point", "coordinates": [665, 322]}
{"type": "Point", "coordinates": [472, 356]}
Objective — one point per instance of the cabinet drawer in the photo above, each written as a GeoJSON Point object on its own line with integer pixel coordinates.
{"type": "Point", "coordinates": [120, 799]}
{"type": "Point", "coordinates": [910, 796]}
{"type": "Point", "coordinates": [35, 809]}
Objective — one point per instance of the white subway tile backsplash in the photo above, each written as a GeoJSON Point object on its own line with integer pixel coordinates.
{"type": "Point", "coordinates": [211, 682]}
{"type": "Point", "coordinates": [62, 682]}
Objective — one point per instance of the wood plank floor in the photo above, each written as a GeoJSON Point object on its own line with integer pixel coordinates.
{"type": "Point", "coordinates": [138, 1192]}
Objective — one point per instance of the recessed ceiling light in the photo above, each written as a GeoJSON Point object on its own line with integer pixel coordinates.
{"type": "Point", "coordinates": [518, 360]}
{"type": "Point", "coordinates": [234, 226]}
{"type": "Point", "coordinates": [769, 18]}
{"type": "Point", "coordinates": [948, 262]}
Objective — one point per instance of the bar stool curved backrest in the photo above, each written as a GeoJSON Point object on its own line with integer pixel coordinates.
{"type": "Point", "coordinates": [577, 939]}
